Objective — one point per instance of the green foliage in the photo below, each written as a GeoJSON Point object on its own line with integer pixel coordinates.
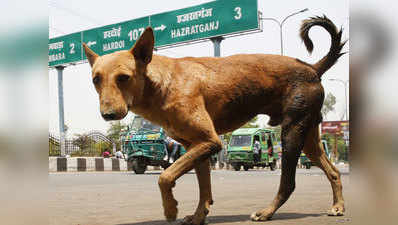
{"type": "Point", "coordinates": [115, 131]}
{"type": "Point", "coordinates": [101, 146]}
{"type": "Point", "coordinates": [329, 140]}
{"type": "Point", "coordinates": [94, 149]}
{"type": "Point", "coordinates": [80, 153]}
{"type": "Point", "coordinates": [53, 147]}
{"type": "Point", "coordinates": [83, 141]}
{"type": "Point", "coordinates": [86, 145]}
{"type": "Point", "coordinates": [342, 149]}
{"type": "Point", "coordinates": [84, 153]}
{"type": "Point", "coordinates": [328, 104]}
{"type": "Point", "coordinates": [66, 128]}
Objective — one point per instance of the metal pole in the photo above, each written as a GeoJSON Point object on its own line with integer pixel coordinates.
{"type": "Point", "coordinates": [345, 98]}
{"type": "Point", "coordinates": [346, 108]}
{"type": "Point", "coordinates": [114, 148]}
{"type": "Point", "coordinates": [346, 102]}
{"type": "Point", "coordinates": [217, 45]}
{"type": "Point", "coordinates": [280, 30]}
{"type": "Point", "coordinates": [217, 53]}
{"type": "Point", "coordinates": [60, 70]}
{"type": "Point", "coordinates": [280, 24]}
{"type": "Point", "coordinates": [345, 94]}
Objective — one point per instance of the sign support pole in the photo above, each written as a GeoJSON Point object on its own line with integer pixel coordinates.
{"type": "Point", "coordinates": [217, 53]}
{"type": "Point", "coordinates": [217, 45]}
{"type": "Point", "coordinates": [60, 70]}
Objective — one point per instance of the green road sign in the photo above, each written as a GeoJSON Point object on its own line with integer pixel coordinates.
{"type": "Point", "coordinates": [103, 40]}
{"type": "Point", "coordinates": [217, 18]}
{"type": "Point", "coordinates": [65, 49]}
{"type": "Point", "coordinates": [115, 37]}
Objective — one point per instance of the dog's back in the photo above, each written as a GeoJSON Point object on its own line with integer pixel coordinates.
{"type": "Point", "coordinates": [238, 87]}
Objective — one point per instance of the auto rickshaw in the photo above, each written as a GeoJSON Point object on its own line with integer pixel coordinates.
{"type": "Point", "coordinates": [240, 148]}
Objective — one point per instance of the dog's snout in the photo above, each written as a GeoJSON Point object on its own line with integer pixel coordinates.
{"type": "Point", "coordinates": [109, 116]}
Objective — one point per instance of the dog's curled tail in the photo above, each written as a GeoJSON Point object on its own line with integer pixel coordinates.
{"type": "Point", "coordinates": [335, 49]}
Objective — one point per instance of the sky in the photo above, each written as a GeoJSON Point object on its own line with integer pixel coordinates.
{"type": "Point", "coordinates": [81, 103]}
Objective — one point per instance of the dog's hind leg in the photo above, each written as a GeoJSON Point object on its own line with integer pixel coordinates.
{"type": "Point", "coordinates": [203, 174]}
{"type": "Point", "coordinates": [293, 136]}
{"type": "Point", "coordinates": [315, 152]}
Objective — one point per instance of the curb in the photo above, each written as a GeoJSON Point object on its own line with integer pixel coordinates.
{"type": "Point", "coordinates": [93, 164]}
{"type": "Point", "coordinates": [86, 164]}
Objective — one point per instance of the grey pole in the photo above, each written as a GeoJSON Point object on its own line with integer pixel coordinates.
{"type": "Point", "coordinates": [346, 102]}
{"type": "Point", "coordinates": [281, 35]}
{"type": "Point", "coordinates": [217, 53]}
{"type": "Point", "coordinates": [60, 70]}
{"type": "Point", "coordinates": [280, 24]}
{"type": "Point", "coordinates": [345, 83]}
{"type": "Point", "coordinates": [217, 45]}
{"type": "Point", "coordinates": [345, 94]}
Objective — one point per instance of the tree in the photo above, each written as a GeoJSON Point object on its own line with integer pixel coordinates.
{"type": "Point", "coordinates": [328, 104]}
{"type": "Point", "coordinates": [341, 146]}
{"type": "Point", "coordinates": [83, 141]}
{"type": "Point", "coordinates": [66, 128]}
{"type": "Point", "coordinates": [114, 132]}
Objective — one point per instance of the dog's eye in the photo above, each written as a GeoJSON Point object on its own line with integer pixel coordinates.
{"type": "Point", "coordinates": [123, 78]}
{"type": "Point", "coordinates": [96, 79]}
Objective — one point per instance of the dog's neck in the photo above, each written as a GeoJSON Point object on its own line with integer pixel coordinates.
{"type": "Point", "coordinates": [157, 78]}
{"type": "Point", "coordinates": [159, 72]}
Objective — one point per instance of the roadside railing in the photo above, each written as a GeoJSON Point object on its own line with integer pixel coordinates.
{"type": "Point", "coordinates": [91, 144]}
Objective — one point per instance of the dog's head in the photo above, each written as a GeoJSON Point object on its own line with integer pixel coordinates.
{"type": "Point", "coordinates": [119, 77]}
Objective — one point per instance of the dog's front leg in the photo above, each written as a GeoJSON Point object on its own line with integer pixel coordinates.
{"type": "Point", "coordinates": [196, 156]}
{"type": "Point", "coordinates": [206, 199]}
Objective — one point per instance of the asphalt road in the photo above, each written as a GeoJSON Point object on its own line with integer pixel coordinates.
{"type": "Point", "coordinates": [123, 198]}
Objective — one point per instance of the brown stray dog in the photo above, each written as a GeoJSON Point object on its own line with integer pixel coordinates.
{"type": "Point", "coordinates": [196, 99]}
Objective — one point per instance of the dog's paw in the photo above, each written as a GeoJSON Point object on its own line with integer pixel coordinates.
{"type": "Point", "coordinates": [171, 211]}
{"type": "Point", "coordinates": [189, 220]}
{"type": "Point", "coordinates": [262, 215]}
{"type": "Point", "coordinates": [337, 210]}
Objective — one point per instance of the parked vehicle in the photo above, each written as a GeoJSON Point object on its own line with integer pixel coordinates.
{"type": "Point", "coordinates": [145, 144]}
{"type": "Point", "coordinates": [240, 148]}
{"type": "Point", "coordinates": [305, 161]}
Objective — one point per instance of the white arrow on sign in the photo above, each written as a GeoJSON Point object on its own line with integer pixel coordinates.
{"type": "Point", "coordinates": [161, 27]}
{"type": "Point", "coordinates": [91, 43]}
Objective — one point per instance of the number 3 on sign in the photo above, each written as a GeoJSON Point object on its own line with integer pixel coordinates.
{"type": "Point", "coordinates": [238, 11]}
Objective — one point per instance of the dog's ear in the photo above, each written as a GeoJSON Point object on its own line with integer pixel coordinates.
{"type": "Point", "coordinates": [143, 48]}
{"type": "Point", "coordinates": [91, 55]}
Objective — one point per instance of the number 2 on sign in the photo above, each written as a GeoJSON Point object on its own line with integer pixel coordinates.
{"type": "Point", "coordinates": [72, 48]}
{"type": "Point", "coordinates": [238, 11]}
{"type": "Point", "coordinates": [136, 33]}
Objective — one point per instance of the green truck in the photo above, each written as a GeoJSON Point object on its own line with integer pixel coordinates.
{"type": "Point", "coordinates": [146, 145]}
{"type": "Point", "coordinates": [305, 161]}
{"type": "Point", "coordinates": [241, 145]}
